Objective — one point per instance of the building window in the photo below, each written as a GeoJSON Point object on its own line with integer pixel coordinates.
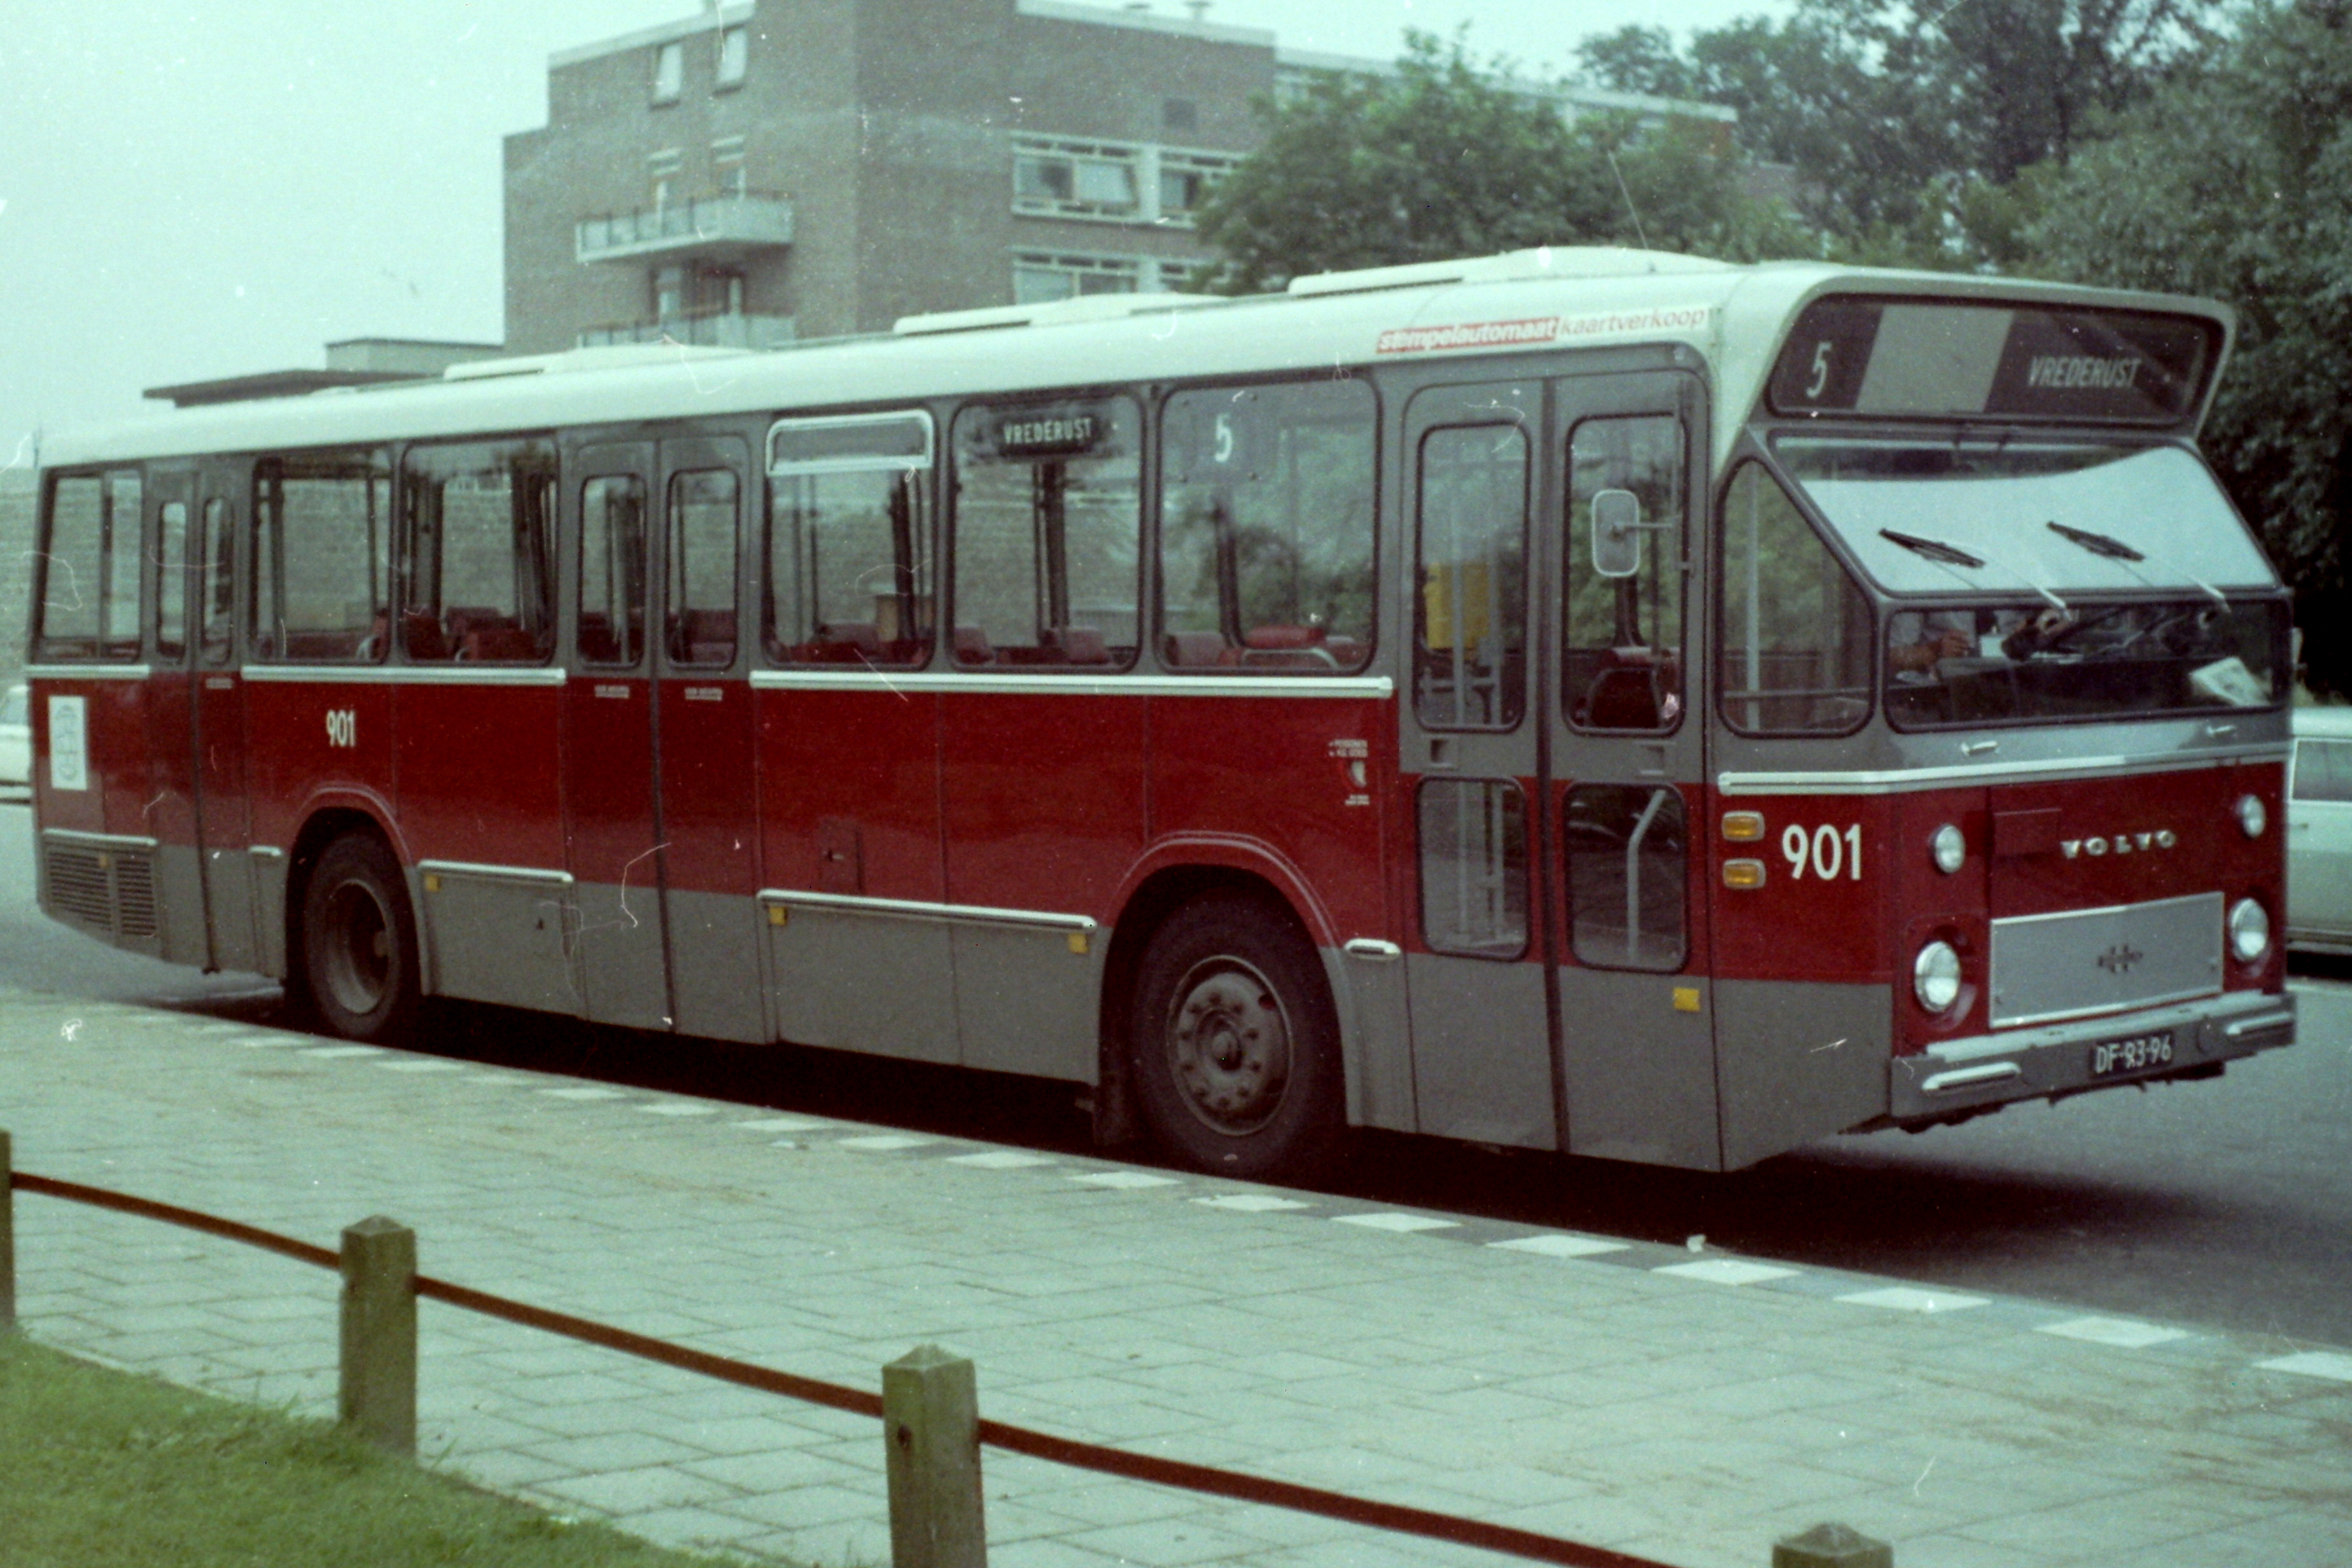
{"type": "Point", "coordinates": [1185, 180]}
{"type": "Point", "coordinates": [734, 57]}
{"type": "Point", "coordinates": [1039, 278]}
{"type": "Point", "coordinates": [727, 166]}
{"type": "Point", "coordinates": [670, 72]}
{"type": "Point", "coordinates": [661, 176]}
{"type": "Point", "coordinates": [1076, 179]}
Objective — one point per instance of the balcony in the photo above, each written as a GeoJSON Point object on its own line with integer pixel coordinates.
{"type": "Point", "coordinates": [698, 329]}
{"type": "Point", "coordinates": [725, 228]}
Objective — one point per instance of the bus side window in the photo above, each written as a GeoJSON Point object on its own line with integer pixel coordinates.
{"type": "Point", "coordinates": [612, 571]}
{"type": "Point", "coordinates": [218, 594]}
{"type": "Point", "coordinates": [171, 579]}
{"type": "Point", "coordinates": [1470, 616]}
{"type": "Point", "coordinates": [1797, 633]}
{"type": "Point", "coordinates": [1048, 521]}
{"type": "Point", "coordinates": [1621, 650]}
{"type": "Point", "coordinates": [703, 515]}
{"type": "Point", "coordinates": [848, 577]}
{"type": "Point", "coordinates": [322, 545]}
{"type": "Point", "coordinates": [72, 565]}
{"type": "Point", "coordinates": [477, 552]}
{"type": "Point", "coordinates": [1266, 548]}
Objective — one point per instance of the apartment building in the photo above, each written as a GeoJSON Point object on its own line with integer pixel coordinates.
{"type": "Point", "coordinates": [783, 168]}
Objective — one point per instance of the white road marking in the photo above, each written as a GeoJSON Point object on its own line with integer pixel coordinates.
{"type": "Point", "coordinates": [1560, 1246]}
{"type": "Point", "coordinates": [1000, 1160]}
{"type": "Point", "coordinates": [678, 1108]}
{"type": "Point", "coordinates": [583, 1094]}
{"type": "Point", "coordinates": [1911, 1299]}
{"type": "Point", "coordinates": [1727, 1271]}
{"type": "Point", "coordinates": [1251, 1203]}
{"type": "Point", "coordinates": [784, 1124]}
{"type": "Point", "coordinates": [2125, 1333]}
{"type": "Point", "coordinates": [1125, 1180]}
{"type": "Point", "coordinates": [337, 1053]}
{"type": "Point", "coordinates": [881, 1140]}
{"type": "Point", "coordinates": [2312, 1364]}
{"type": "Point", "coordinates": [1396, 1221]}
{"type": "Point", "coordinates": [417, 1067]}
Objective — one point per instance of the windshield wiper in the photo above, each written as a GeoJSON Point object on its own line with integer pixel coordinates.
{"type": "Point", "coordinates": [1933, 549]}
{"type": "Point", "coordinates": [2097, 543]}
{"type": "Point", "coordinates": [2114, 549]}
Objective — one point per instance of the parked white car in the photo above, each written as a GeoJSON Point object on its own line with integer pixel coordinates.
{"type": "Point", "coordinates": [2319, 831]}
{"type": "Point", "coordinates": [16, 738]}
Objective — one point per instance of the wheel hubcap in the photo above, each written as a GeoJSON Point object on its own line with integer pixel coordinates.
{"type": "Point", "coordinates": [358, 948]}
{"type": "Point", "coordinates": [1229, 1046]}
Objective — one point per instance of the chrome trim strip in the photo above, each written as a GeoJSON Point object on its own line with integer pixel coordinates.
{"type": "Point", "coordinates": [101, 840]}
{"type": "Point", "coordinates": [1373, 951]}
{"type": "Point", "coordinates": [266, 851]}
{"type": "Point", "coordinates": [1072, 684]}
{"type": "Point", "coordinates": [1890, 781]}
{"type": "Point", "coordinates": [1970, 1078]}
{"type": "Point", "coordinates": [2212, 1009]}
{"type": "Point", "coordinates": [88, 672]}
{"type": "Point", "coordinates": [2267, 1021]}
{"type": "Point", "coordinates": [912, 909]}
{"type": "Point", "coordinates": [498, 873]}
{"type": "Point", "coordinates": [407, 674]}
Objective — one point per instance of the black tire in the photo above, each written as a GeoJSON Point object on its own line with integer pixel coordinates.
{"type": "Point", "coordinates": [1236, 1047]}
{"type": "Point", "coordinates": [359, 942]}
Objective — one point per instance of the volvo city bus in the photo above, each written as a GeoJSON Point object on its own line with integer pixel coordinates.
{"type": "Point", "coordinates": [1591, 700]}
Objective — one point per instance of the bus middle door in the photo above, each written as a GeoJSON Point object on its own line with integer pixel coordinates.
{"type": "Point", "coordinates": [1637, 1049]}
{"type": "Point", "coordinates": [704, 739]}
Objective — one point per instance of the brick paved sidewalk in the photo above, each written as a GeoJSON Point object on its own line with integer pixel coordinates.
{"type": "Point", "coordinates": [1690, 1408]}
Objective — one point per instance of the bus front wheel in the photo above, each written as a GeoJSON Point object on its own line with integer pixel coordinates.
{"type": "Point", "coordinates": [359, 942]}
{"type": "Point", "coordinates": [1237, 1045]}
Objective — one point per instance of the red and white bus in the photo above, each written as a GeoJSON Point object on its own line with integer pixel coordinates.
{"type": "Point", "coordinates": [1578, 700]}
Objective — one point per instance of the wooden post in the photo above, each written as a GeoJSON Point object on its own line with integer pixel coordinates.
{"type": "Point", "coordinates": [1832, 1546]}
{"type": "Point", "coordinates": [378, 1397]}
{"type": "Point", "coordinates": [930, 1432]}
{"type": "Point", "coordinates": [7, 1238]}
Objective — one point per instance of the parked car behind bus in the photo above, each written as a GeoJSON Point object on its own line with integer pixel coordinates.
{"type": "Point", "coordinates": [2319, 831]}
{"type": "Point", "coordinates": [16, 738]}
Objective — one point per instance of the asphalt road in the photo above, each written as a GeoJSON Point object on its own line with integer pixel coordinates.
{"type": "Point", "coordinates": [2225, 1203]}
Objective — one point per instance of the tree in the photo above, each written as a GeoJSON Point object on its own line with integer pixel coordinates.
{"type": "Point", "coordinates": [1442, 159]}
{"type": "Point", "coordinates": [2237, 182]}
{"type": "Point", "coordinates": [1892, 110]}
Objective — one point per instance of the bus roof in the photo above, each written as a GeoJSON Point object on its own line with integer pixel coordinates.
{"type": "Point", "coordinates": [1734, 318]}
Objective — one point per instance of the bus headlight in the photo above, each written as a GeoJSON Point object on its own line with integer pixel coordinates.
{"type": "Point", "coordinates": [2250, 930]}
{"type": "Point", "coordinates": [1935, 976]}
{"type": "Point", "coordinates": [1950, 848]}
{"type": "Point", "coordinates": [2251, 815]}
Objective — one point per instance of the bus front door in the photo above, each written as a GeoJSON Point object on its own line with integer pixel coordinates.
{"type": "Point", "coordinates": [1626, 765]}
{"type": "Point", "coordinates": [1553, 980]}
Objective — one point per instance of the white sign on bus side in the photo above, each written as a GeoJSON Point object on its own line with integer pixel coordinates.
{"type": "Point", "coordinates": [69, 742]}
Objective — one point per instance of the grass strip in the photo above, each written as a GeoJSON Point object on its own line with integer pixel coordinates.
{"type": "Point", "coordinates": [101, 1468]}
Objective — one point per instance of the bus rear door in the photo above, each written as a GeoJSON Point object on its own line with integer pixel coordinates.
{"type": "Point", "coordinates": [223, 814]}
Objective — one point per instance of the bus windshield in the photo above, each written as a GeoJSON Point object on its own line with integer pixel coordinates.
{"type": "Point", "coordinates": [2045, 517]}
{"type": "Point", "coordinates": [2134, 588]}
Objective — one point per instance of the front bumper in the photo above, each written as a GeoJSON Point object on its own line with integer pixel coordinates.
{"type": "Point", "coordinates": [1959, 1077]}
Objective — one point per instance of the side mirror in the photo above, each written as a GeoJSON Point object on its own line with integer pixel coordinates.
{"type": "Point", "coordinates": [1617, 534]}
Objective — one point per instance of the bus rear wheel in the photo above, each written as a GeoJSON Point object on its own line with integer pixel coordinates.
{"type": "Point", "coordinates": [1236, 1043]}
{"type": "Point", "coordinates": [359, 942]}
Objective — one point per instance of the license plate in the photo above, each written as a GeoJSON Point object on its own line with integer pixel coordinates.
{"type": "Point", "coordinates": [2109, 1057]}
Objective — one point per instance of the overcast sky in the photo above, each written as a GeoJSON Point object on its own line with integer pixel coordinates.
{"type": "Point", "coordinates": [198, 190]}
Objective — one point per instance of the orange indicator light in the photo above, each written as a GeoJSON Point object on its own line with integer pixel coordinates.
{"type": "Point", "coordinates": [1743, 873]}
{"type": "Point", "coordinates": [1743, 826]}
